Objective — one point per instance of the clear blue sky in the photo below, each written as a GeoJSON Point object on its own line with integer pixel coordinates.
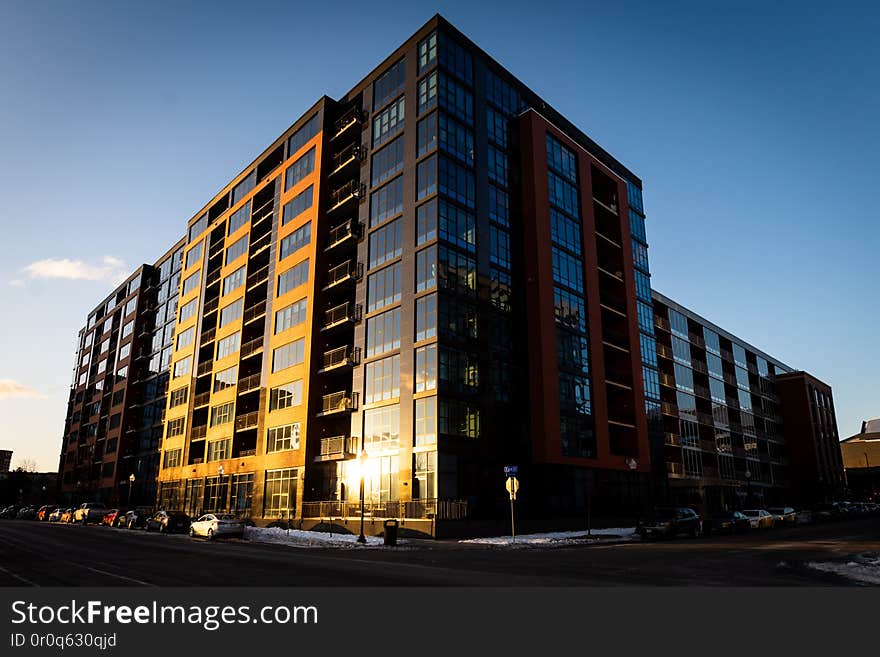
{"type": "Point", "coordinates": [753, 125]}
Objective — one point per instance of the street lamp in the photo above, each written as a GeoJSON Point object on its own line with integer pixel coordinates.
{"type": "Point", "coordinates": [363, 469]}
{"type": "Point", "coordinates": [130, 486]}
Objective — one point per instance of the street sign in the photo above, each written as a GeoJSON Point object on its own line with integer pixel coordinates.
{"type": "Point", "coordinates": [511, 470]}
{"type": "Point", "coordinates": [512, 486]}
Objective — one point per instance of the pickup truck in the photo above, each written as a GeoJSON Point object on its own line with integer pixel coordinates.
{"type": "Point", "coordinates": [90, 512]}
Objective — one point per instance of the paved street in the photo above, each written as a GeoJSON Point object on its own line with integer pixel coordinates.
{"type": "Point", "coordinates": [40, 554]}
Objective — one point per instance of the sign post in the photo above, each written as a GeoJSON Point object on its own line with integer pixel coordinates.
{"type": "Point", "coordinates": [512, 486]}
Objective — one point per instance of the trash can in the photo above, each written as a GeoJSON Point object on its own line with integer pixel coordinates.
{"type": "Point", "coordinates": [390, 532]}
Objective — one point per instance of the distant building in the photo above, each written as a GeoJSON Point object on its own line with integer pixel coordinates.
{"type": "Point", "coordinates": [861, 459]}
{"type": "Point", "coordinates": [5, 459]}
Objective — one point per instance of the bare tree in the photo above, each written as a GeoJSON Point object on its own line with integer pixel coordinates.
{"type": "Point", "coordinates": [27, 465]}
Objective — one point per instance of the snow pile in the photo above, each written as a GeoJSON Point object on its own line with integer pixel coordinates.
{"type": "Point", "coordinates": [560, 538]}
{"type": "Point", "coordinates": [303, 538]}
{"type": "Point", "coordinates": [863, 568]}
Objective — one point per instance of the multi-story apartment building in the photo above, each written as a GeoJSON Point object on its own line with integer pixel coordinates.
{"type": "Point", "coordinates": [427, 279]}
{"type": "Point", "coordinates": [117, 397]}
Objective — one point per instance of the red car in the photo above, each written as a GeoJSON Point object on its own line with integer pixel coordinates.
{"type": "Point", "coordinates": [111, 518]}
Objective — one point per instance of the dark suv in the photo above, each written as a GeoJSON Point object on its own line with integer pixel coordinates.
{"type": "Point", "coordinates": [669, 521]}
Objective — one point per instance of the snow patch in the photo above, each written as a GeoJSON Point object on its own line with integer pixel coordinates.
{"type": "Point", "coordinates": [559, 538]}
{"type": "Point", "coordinates": [863, 568]}
{"type": "Point", "coordinates": [303, 538]}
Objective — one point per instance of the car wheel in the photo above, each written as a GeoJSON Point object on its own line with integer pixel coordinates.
{"type": "Point", "coordinates": [162, 529]}
{"type": "Point", "coordinates": [192, 532]}
{"type": "Point", "coordinates": [210, 534]}
{"type": "Point", "coordinates": [84, 521]}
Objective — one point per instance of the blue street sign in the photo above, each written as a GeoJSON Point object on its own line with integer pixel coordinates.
{"type": "Point", "coordinates": [511, 470]}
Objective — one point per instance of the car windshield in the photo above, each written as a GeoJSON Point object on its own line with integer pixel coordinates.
{"type": "Point", "coordinates": [752, 513]}
{"type": "Point", "coordinates": [226, 516]}
{"type": "Point", "coordinates": [777, 510]}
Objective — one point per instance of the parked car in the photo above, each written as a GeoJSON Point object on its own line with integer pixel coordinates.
{"type": "Point", "coordinates": [135, 518]}
{"type": "Point", "coordinates": [112, 516]}
{"type": "Point", "coordinates": [67, 516]}
{"type": "Point", "coordinates": [670, 521]}
{"type": "Point", "coordinates": [214, 525]}
{"type": "Point", "coordinates": [168, 522]}
{"type": "Point", "coordinates": [44, 511]}
{"type": "Point", "coordinates": [27, 513]}
{"type": "Point", "coordinates": [783, 515]}
{"type": "Point", "coordinates": [90, 512]}
{"type": "Point", "coordinates": [759, 518]}
{"type": "Point", "coordinates": [55, 516]}
{"type": "Point", "coordinates": [729, 522]}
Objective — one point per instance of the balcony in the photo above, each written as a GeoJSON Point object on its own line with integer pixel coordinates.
{"type": "Point", "coordinates": [248, 421]}
{"type": "Point", "coordinates": [251, 348]}
{"type": "Point", "coordinates": [258, 277]}
{"type": "Point", "coordinates": [664, 352]}
{"type": "Point", "coordinates": [351, 117]}
{"type": "Point", "coordinates": [342, 314]}
{"type": "Point", "coordinates": [204, 368]}
{"type": "Point", "coordinates": [661, 323]}
{"type": "Point", "coordinates": [208, 337]}
{"type": "Point", "coordinates": [197, 433]}
{"type": "Point", "coordinates": [675, 470]}
{"type": "Point", "coordinates": [342, 233]}
{"type": "Point", "coordinates": [671, 439]}
{"type": "Point", "coordinates": [338, 402]}
{"type": "Point", "coordinates": [669, 409]}
{"type": "Point", "coordinates": [201, 399]}
{"type": "Point", "coordinates": [339, 358]}
{"type": "Point", "coordinates": [336, 448]}
{"type": "Point", "coordinates": [210, 306]}
{"type": "Point", "coordinates": [347, 271]}
{"type": "Point", "coordinates": [255, 312]}
{"type": "Point", "coordinates": [249, 383]}
{"type": "Point", "coordinates": [353, 189]}
{"type": "Point", "coordinates": [667, 380]}
{"type": "Point", "coordinates": [349, 154]}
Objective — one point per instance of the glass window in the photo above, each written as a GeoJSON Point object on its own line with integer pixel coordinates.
{"type": "Point", "coordinates": [426, 222]}
{"type": "Point", "coordinates": [198, 227]}
{"type": "Point", "coordinates": [382, 428]}
{"type": "Point", "coordinates": [289, 355]}
{"type": "Point", "coordinates": [191, 283]}
{"type": "Point", "coordinates": [176, 427]}
{"type": "Point", "coordinates": [426, 317]}
{"type": "Point", "coordinates": [499, 247]}
{"type": "Point", "coordinates": [388, 122]}
{"type": "Point", "coordinates": [124, 351]}
{"type": "Point", "coordinates": [563, 194]}
{"type": "Point", "coordinates": [386, 243]}
{"type": "Point", "coordinates": [456, 140]}
{"type": "Point", "coordinates": [293, 277]}
{"type": "Point", "coordinates": [226, 378]}
{"type": "Point", "coordinates": [426, 368]}
{"type": "Point", "coordinates": [299, 138]}
{"type": "Point", "coordinates": [566, 232]}
{"type": "Point", "coordinates": [637, 227]}
{"type": "Point", "coordinates": [382, 379]}
{"type": "Point", "coordinates": [300, 169]}
{"type": "Point", "coordinates": [426, 178]}
{"type": "Point", "coordinates": [678, 323]}
{"type": "Point", "coordinates": [182, 367]}
{"type": "Point", "coordinates": [502, 94]}
{"type": "Point", "coordinates": [457, 271]}
{"type": "Point", "coordinates": [239, 218]}
{"type": "Point", "coordinates": [178, 397]}
{"type": "Point", "coordinates": [426, 421]}
{"type": "Point", "coordinates": [383, 287]}
{"type": "Point", "coordinates": [299, 204]}
{"type": "Point", "coordinates": [295, 241]}
{"type": "Point", "coordinates": [561, 160]}
{"type": "Point", "coordinates": [231, 312]}
{"type": "Point", "coordinates": [426, 269]}
{"type": "Point", "coordinates": [383, 333]}
{"type": "Point", "coordinates": [386, 202]}
{"type": "Point", "coordinates": [387, 162]}
{"type": "Point", "coordinates": [456, 99]}
{"type": "Point", "coordinates": [427, 134]}
{"type": "Point", "coordinates": [567, 270]}
{"type": "Point", "coordinates": [456, 59]}
{"type": "Point", "coordinates": [428, 52]}
{"type": "Point", "coordinates": [237, 249]}
{"type": "Point", "coordinates": [194, 255]}
{"type": "Point", "coordinates": [497, 127]}
{"type": "Point", "coordinates": [640, 256]}
{"type": "Point", "coordinates": [228, 345]}
{"type": "Point", "coordinates": [279, 498]}
{"type": "Point", "coordinates": [187, 310]}
{"type": "Point", "coordinates": [457, 182]}
{"type": "Point", "coordinates": [456, 418]}
{"type": "Point", "coordinates": [290, 316]}
{"type": "Point", "coordinates": [283, 438]}
{"type": "Point", "coordinates": [286, 395]}
{"type": "Point", "coordinates": [427, 93]}
{"type": "Point", "coordinates": [457, 226]}
{"type": "Point", "coordinates": [499, 204]}
{"type": "Point", "coordinates": [243, 188]}
{"type": "Point", "coordinates": [498, 166]}
{"type": "Point", "coordinates": [389, 84]}
{"type": "Point", "coordinates": [185, 338]}
{"type": "Point", "coordinates": [234, 280]}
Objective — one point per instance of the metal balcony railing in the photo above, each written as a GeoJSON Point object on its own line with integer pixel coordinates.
{"type": "Point", "coordinates": [353, 189]}
{"type": "Point", "coordinates": [671, 439]}
{"type": "Point", "coordinates": [338, 447]}
{"type": "Point", "coordinates": [351, 153]}
{"type": "Point", "coordinates": [196, 433]}
{"type": "Point", "coordinates": [339, 402]}
{"type": "Point", "coordinates": [344, 312]}
{"type": "Point", "coordinates": [675, 470]}
{"type": "Point", "coordinates": [340, 357]}
{"type": "Point", "coordinates": [210, 306]}
{"type": "Point", "coordinates": [255, 346]}
{"type": "Point", "coordinates": [661, 323]}
{"type": "Point", "coordinates": [249, 383]}
{"type": "Point", "coordinates": [257, 277]}
{"type": "Point", "coordinates": [254, 312]}
{"type": "Point", "coordinates": [667, 380]}
{"type": "Point", "coordinates": [248, 421]}
{"type": "Point", "coordinates": [669, 409]}
{"type": "Point", "coordinates": [347, 271]}
{"type": "Point", "coordinates": [425, 509]}
{"type": "Point", "coordinates": [207, 337]}
{"type": "Point", "coordinates": [201, 399]}
{"type": "Point", "coordinates": [351, 117]}
{"type": "Point", "coordinates": [204, 368]}
{"type": "Point", "coordinates": [343, 232]}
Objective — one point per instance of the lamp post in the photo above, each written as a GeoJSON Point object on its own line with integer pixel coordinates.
{"type": "Point", "coordinates": [363, 459]}
{"type": "Point", "coordinates": [130, 486]}
{"type": "Point", "coordinates": [748, 475]}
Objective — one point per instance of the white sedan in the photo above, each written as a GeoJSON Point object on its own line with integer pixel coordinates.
{"type": "Point", "coordinates": [213, 525]}
{"type": "Point", "coordinates": [759, 518]}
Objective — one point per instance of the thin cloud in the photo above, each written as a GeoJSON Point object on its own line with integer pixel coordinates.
{"type": "Point", "coordinates": [110, 269]}
{"type": "Point", "coordinates": [16, 282]}
{"type": "Point", "coordinates": [10, 389]}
